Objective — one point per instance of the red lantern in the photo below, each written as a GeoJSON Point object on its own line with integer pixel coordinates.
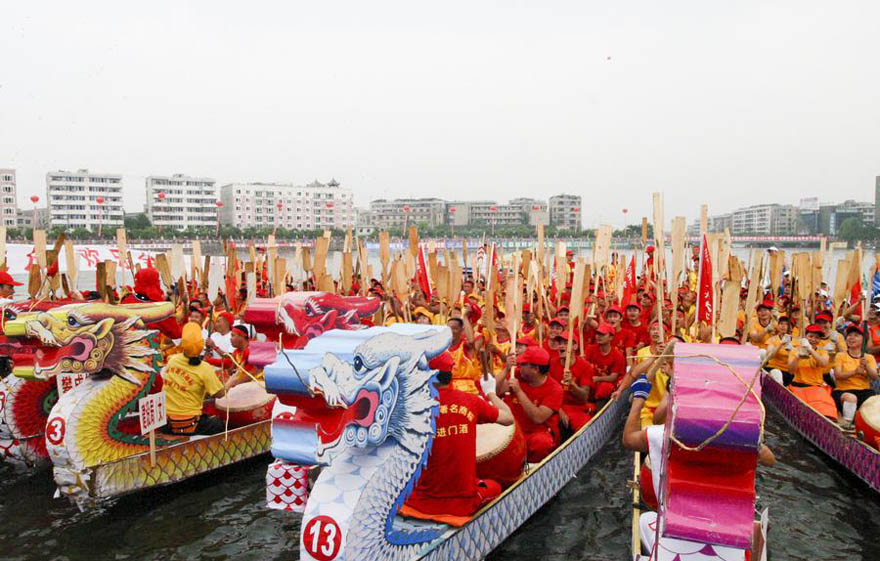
{"type": "Point", "coordinates": [100, 200]}
{"type": "Point", "coordinates": [625, 210]}
{"type": "Point", "coordinates": [493, 208]}
{"type": "Point", "coordinates": [329, 205]}
{"type": "Point", "coordinates": [452, 210]}
{"type": "Point", "coordinates": [219, 204]}
{"type": "Point", "coordinates": [405, 208]}
{"type": "Point", "coordinates": [575, 208]}
{"type": "Point", "coordinates": [35, 199]}
{"type": "Point", "coordinates": [161, 195]}
{"type": "Point", "coordinates": [280, 205]}
{"type": "Point", "coordinates": [536, 207]}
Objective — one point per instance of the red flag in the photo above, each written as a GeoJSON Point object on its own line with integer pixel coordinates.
{"type": "Point", "coordinates": [423, 274]}
{"type": "Point", "coordinates": [855, 294]}
{"type": "Point", "coordinates": [705, 312]}
{"type": "Point", "coordinates": [629, 282]}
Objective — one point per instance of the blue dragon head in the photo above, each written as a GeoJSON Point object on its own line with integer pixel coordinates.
{"type": "Point", "coordinates": [354, 389]}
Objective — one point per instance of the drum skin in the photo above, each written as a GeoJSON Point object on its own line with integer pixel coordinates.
{"type": "Point", "coordinates": [868, 421]}
{"type": "Point", "coordinates": [245, 404]}
{"type": "Point", "coordinates": [503, 457]}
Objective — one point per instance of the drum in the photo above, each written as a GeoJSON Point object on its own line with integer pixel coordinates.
{"type": "Point", "coordinates": [245, 404]}
{"type": "Point", "coordinates": [868, 421]}
{"type": "Point", "coordinates": [501, 452]}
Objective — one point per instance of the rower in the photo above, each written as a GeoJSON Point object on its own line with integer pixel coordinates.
{"type": "Point", "coordinates": [830, 341]}
{"type": "Point", "coordinates": [7, 286]}
{"type": "Point", "coordinates": [779, 348]}
{"type": "Point", "coordinates": [809, 362]}
{"type": "Point", "coordinates": [535, 399]}
{"type": "Point", "coordinates": [466, 371]}
{"type": "Point", "coordinates": [622, 339]}
{"type": "Point", "coordinates": [576, 409]}
{"type": "Point", "coordinates": [646, 358]}
{"type": "Point", "coordinates": [528, 320]}
{"type": "Point", "coordinates": [609, 362]}
{"type": "Point", "coordinates": [873, 333]}
{"type": "Point", "coordinates": [449, 485]}
{"type": "Point", "coordinates": [762, 327]}
{"type": "Point", "coordinates": [188, 381]}
{"type": "Point", "coordinates": [422, 315]}
{"type": "Point", "coordinates": [853, 371]}
{"type": "Point", "coordinates": [634, 324]}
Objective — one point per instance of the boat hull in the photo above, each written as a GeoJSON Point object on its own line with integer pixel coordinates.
{"type": "Point", "coordinates": [853, 454]}
{"type": "Point", "coordinates": [173, 464]}
{"type": "Point", "coordinates": [498, 520]}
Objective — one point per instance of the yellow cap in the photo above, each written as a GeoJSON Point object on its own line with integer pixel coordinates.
{"type": "Point", "coordinates": [191, 340]}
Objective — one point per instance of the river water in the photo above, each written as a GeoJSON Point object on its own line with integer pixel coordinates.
{"type": "Point", "coordinates": [817, 511]}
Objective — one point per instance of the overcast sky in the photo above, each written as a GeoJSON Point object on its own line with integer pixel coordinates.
{"type": "Point", "coordinates": [727, 103]}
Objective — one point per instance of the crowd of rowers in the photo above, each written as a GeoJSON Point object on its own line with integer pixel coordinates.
{"type": "Point", "coordinates": [618, 348]}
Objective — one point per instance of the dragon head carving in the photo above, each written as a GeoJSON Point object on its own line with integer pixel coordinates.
{"type": "Point", "coordinates": [308, 314]}
{"type": "Point", "coordinates": [89, 338]}
{"type": "Point", "coordinates": [359, 397]}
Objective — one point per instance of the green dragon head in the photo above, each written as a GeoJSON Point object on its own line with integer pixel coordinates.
{"type": "Point", "coordinates": [91, 338]}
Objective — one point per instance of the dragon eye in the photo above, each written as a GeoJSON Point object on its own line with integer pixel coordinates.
{"type": "Point", "coordinates": [10, 315]}
{"type": "Point", "coordinates": [71, 321]}
{"type": "Point", "coordinates": [358, 363]}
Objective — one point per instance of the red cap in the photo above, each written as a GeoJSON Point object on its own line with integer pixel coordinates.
{"type": "Point", "coordinates": [824, 316]}
{"type": "Point", "coordinates": [560, 308]}
{"type": "Point", "coordinates": [557, 321]}
{"type": "Point", "coordinates": [230, 319]}
{"type": "Point", "coordinates": [765, 304]}
{"type": "Point", "coordinates": [526, 307]}
{"type": "Point", "coordinates": [650, 249]}
{"type": "Point", "coordinates": [815, 328]}
{"type": "Point", "coordinates": [6, 278]}
{"type": "Point", "coordinates": [606, 329]}
{"type": "Point", "coordinates": [442, 362]}
{"type": "Point", "coordinates": [527, 341]}
{"type": "Point", "coordinates": [534, 355]}
{"type": "Point", "coordinates": [146, 282]}
{"type": "Point", "coordinates": [614, 308]}
{"type": "Point", "coordinates": [855, 327]}
{"type": "Point", "coordinates": [564, 335]}
{"type": "Point", "coordinates": [635, 305]}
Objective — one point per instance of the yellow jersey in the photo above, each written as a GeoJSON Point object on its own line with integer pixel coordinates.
{"type": "Point", "coordinates": [780, 359]}
{"type": "Point", "coordinates": [761, 343]}
{"type": "Point", "coordinates": [186, 386]}
{"type": "Point", "coordinates": [809, 371]}
{"type": "Point", "coordinates": [658, 388]}
{"type": "Point", "coordinates": [843, 362]}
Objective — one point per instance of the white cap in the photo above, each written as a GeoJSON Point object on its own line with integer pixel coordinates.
{"type": "Point", "coordinates": [772, 248]}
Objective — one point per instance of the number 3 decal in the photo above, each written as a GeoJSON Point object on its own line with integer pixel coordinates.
{"type": "Point", "coordinates": [322, 538]}
{"type": "Point", "coordinates": [55, 430]}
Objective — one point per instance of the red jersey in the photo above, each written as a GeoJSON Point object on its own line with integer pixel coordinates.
{"type": "Point", "coordinates": [448, 485]}
{"type": "Point", "coordinates": [582, 374]}
{"type": "Point", "coordinates": [549, 393]}
{"type": "Point", "coordinates": [612, 363]}
{"type": "Point", "coordinates": [623, 340]}
{"type": "Point", "coordinates": [640, 333]}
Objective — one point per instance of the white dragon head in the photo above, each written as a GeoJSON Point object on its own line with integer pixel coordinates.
{"type": "Point", "coordinates": [359, 398]}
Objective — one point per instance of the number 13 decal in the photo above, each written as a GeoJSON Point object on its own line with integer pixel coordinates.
{"type": "Point", "coordinates": [322, 538]}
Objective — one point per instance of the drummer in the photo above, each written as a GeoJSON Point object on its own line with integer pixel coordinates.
{"type": "Point", "coordinates": [241, 370]}
{"type": "Point", "coordinates": [535, 400]}
{"type": "Point", "coordinates": [449, 485]}
{"type": "Point", "coordinates": [853, 371]}
{"type": "Point", "coordinates": [187, 381]}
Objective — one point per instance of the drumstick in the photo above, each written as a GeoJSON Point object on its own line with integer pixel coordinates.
{"type": "Point", "coordinates": [239, 366]}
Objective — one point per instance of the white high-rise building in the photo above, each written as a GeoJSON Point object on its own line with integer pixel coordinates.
{"type": "Point", "coordinates": [84, 200]}
{"type": "Point", "coordinates": [8, 206]}
{"type": "Point", "coordinates": [294, 207]}
{"type": "Point", "coordinates": [181, 201]}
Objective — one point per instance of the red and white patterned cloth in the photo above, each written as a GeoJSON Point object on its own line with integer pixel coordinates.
{"type": "Point", "coordinates": [287, 486]}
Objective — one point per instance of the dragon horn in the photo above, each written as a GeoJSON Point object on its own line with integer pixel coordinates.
{"type": "Point", "coordinates": [148, 312]}
{"type": "Point", "coordinates": [435, 342]}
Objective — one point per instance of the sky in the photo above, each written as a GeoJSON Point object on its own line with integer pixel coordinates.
{"type": "Point", "coordinates": [723, 103]}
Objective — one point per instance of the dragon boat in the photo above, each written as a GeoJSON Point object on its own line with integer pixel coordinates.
{"type": "Point", "coordinates": [365, 410]}
{"type": "Point", "coordinates": [92, 433]}
{"type": "Point", "coordinates": [857, 452]}
{"type": "Point", "coordinates": [704, 460]}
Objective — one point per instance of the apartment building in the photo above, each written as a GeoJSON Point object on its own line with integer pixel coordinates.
{"type": "Point", "coordinates": [293, 207]}
{"type": "Point", "coordinates": [386, 213]}
{"type": "Point", "coordinates": [565, 212]}
{"type": "Point", "coordinates": [181, 201]}
{"type": "Point", "coordinates": [8, 205]}
{"type": "Point", "coordinates": [82, 199]}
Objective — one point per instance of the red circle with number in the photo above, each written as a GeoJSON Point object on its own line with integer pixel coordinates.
{"type": "Point", "coordinates": [322, 538]}
{"type": "Point", "coordinates": [55, 430]}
